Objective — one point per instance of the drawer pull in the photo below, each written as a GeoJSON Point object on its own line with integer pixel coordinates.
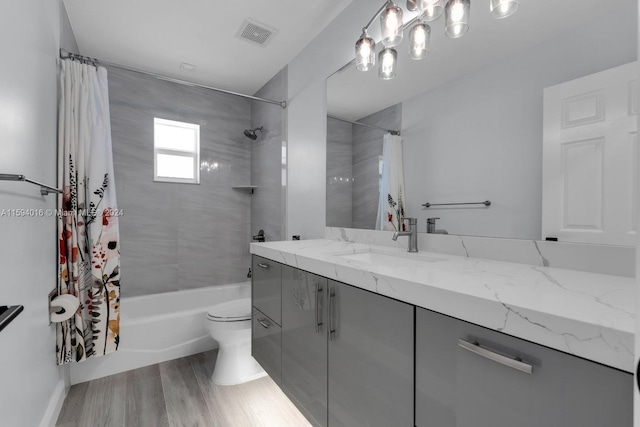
{"type": "Point", "coordinates": [264, 323]}
{"type": "Point", "coordinates": [263, 265]}
{"type": "Point", "coordinates": [511, 362]}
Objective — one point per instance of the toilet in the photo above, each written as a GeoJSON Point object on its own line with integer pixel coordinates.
{"type": "Point", "coordinates": [229, 323]}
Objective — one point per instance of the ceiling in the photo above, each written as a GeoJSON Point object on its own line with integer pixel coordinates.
{"type": "Point", "coordinates": [353, 94]}
{"type": "Point", "coordinates": [159, 35]}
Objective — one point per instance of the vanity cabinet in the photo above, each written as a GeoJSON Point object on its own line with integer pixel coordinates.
{"type": "Point", "coordinates": [468, 376]}
{"type": "Point", "coordinates": [347, 354]}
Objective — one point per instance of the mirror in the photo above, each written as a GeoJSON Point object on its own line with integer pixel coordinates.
{"type": "Point", "coordinates": [472, 117]}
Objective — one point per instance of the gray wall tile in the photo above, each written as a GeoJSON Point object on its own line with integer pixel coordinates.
{"type": "Point", "coordinates": [179, 236]}
{"type": "Point", "coordinates": [339, 173]}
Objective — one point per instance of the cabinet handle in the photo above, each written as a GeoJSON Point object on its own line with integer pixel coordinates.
{"type": "Point", "coordinates": [332, 329]}
{"type": "Point", "coordinates": [512, 362]}
{"type": "Point", "coordinates": [262, 265]}
{"type": "Point", "coordinates": [318, 322]}
{"type": "Point", "coordinates": [264, 323]}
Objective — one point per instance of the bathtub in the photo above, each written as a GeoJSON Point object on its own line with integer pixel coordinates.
{"type": "Point", "coordinates": [160, 327]}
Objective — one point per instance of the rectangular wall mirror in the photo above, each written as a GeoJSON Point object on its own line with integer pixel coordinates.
{"type": "Point", "coordinates": [536, 113]}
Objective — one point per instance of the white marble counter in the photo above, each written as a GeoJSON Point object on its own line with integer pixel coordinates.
{"type": "Point", "coordinates": [585, 314]}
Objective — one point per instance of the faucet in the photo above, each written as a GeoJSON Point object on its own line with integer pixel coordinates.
{"type": "Point", "coordinates": [431, 227]}
{"type": "Point", "coordinates": [412, 234]}
{"type": "Point", "coordinates": [259, 237]}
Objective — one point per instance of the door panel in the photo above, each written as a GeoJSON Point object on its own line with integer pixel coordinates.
{"type": "Point", "coordinates": [304, 343]}
{"type": "Point", "coordinates": [370, 359]}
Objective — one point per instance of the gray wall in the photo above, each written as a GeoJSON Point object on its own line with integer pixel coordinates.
{"type": "Point", "coordinates": [268, 201]}
{"type": "Point", "coordinates": [367, 149]}
{"type": "Point", "coordinates": [339, 173]}
{"type": "Point", "coordinates": [30, 34]}
{"type": "Point", "coordinates": [480, 137]}
{"type": "Point", "coordinates": [179, 236]}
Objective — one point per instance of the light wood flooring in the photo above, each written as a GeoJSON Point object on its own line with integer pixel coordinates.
{"type": "Point", "coordinates": [177, 393]}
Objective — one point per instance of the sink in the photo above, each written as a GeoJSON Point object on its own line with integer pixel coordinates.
{"type": "Point", "coordinates": [391, 259]}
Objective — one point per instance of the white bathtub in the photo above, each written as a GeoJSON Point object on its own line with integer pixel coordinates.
{"type": "Point", "coordinates": [155, 328]}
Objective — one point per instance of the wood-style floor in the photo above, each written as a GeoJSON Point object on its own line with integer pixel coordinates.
{"type": "Point", "coordinates": [177, 393]}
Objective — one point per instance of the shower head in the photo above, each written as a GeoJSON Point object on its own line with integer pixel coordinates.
{"type": "Point", "coordinates": [251, 133]}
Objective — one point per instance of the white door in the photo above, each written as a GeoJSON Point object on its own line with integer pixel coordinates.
{"type": "Point", "coordinates": [589, 167]}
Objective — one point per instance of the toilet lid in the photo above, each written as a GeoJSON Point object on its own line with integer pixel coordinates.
{"type": "Point", "coordinates": [237, 309]}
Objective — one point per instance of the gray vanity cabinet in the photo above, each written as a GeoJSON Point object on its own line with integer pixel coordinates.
{"type": "Point", "coordinates": [304, 343]}
{"type": "Point", "coordinates": [460, 384]}
{"type": "Point", "coordinates": [370, 359]}
{"type": "Point", "coordinates": [265, 287]}
{"type": "Point", "coordinates": [266, 344]}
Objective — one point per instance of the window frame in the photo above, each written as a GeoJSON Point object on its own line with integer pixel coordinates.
{"type": "Point", "coordinates": [194, 154]}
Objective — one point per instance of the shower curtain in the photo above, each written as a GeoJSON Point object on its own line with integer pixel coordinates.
{"type": "Point", "coordinates": [89, 265]}
{"type": "Point", "coordinates": [391, 200]}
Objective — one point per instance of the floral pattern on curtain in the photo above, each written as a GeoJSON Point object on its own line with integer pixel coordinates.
{"type": "Point", "coordinates": [391, 201]}
{"type": "Point", "coordinates": [89, 266]}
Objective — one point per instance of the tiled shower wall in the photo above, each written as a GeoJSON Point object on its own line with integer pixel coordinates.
{"type": "Point", "coordinates": [339, 173]}
{"type": "Point", "coordinates": [180, 236]}
{"type": "Point", "coordinates": [267, 154]}
{"type": "Point", "coordinates": [356, 156]}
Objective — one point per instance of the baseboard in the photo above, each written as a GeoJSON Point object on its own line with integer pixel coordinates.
{"type": "Point", "coordinates": [55, 405]}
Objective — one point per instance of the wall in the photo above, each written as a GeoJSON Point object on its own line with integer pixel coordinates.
{"type": "Point", "coordinates": [307, 117]}
{"type": "Point", "coordinates": [339, 173]}
{"type": "Point", "coordinates": [480, 137]}
{"type": "Point", "coordinates": [30, 36]}
{"type": "Point", "coordinates": [268, 201]}
{"type": "Point", "coordinates": [179, 236]}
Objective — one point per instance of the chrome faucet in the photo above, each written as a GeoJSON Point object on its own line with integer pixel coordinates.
{"type": "Point", "coordinates": [412, 234]}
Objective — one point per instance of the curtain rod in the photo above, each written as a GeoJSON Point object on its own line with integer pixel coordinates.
{"type": "Point", "coordinates": [69, 55]}
{"type": "Point", "coordinates": [392, 132]}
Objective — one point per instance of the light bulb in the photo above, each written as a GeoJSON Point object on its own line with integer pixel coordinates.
{"type": "Point", "coordinates": [503, 8]}
{"type": "Point", "coordinates": [388, 61]}
{"type": "Point", "coordinates": [419, 37]}
{"type": "Point", "coordinates": [457, 18]}
{"type": "Point", "coordinates": [391, 24]}
{"type": "Point", "coordinates": [365, 52]}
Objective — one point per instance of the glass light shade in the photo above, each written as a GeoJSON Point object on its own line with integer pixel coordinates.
{"type": "Point", "coordinates": [412, 5]}
{"type": "Point", "coordinates": [391, 23]}
{"type": "Point", "coordinates": [431, 9]}
{"type": "Point", "coordinates": [388, 60]}
{"type": "Point", "coordinates": [456, 14]}
{"type": "Point", "coordinates": [365, 52]}
{"type": "Point", "coordinates": [419, 37]}
{"type": "Point", "coordinates": [503, 8]}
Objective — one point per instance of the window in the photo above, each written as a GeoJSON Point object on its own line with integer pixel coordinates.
{"type": "Point", "coordinates": [176, 151]}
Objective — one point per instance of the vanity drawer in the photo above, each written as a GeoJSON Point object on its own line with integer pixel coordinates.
{"type": "Point", "coordinates": [467, 375]}
{"type": "Point", "coordinates": [266, 344]}
{"type": "Point", "coordinates": [266, 289]}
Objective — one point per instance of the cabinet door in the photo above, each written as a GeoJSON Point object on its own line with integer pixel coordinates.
{"type": "Point", "coordinates": [265, 287]}
{"type": "Point", "coordinates": [370, 359]}
{"type": "Point", "coordinates": [304, 343]}
{"type": "Point", "coordinates": [266, 344]}
{"type": "Point", "coordinates": [461, 388]}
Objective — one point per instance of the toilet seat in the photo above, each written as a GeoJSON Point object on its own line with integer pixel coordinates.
{"type": "Point", "coordinates": [236, 310]}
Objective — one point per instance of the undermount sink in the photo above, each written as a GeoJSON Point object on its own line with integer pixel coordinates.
{"type": "Point", "coordinates": [392, 259]}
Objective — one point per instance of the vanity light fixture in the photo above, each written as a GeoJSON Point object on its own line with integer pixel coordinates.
{"type": "Point", "coordinates": [431, 9]}
{"type": "Point", "coordinates": [365, 52]}
{"type": "Point", "coordinates": [456, 18]}
{"type": "Point", "coordinates": [456, 25]}
{"type": "Point", "coordinates": [391, 24]}
{"type": "Point", "coordinates": [419, 37]}
{"type": "Point", "coordinates": [503, 8]}
{"type": "Point", "coordinates": [388, 62]}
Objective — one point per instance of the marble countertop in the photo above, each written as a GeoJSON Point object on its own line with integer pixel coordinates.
{"type": "Point", "coordinates": [585, 314]}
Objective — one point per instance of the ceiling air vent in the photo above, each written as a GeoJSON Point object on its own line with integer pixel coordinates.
{"type": "Point", "coordinates": [256, 33]}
